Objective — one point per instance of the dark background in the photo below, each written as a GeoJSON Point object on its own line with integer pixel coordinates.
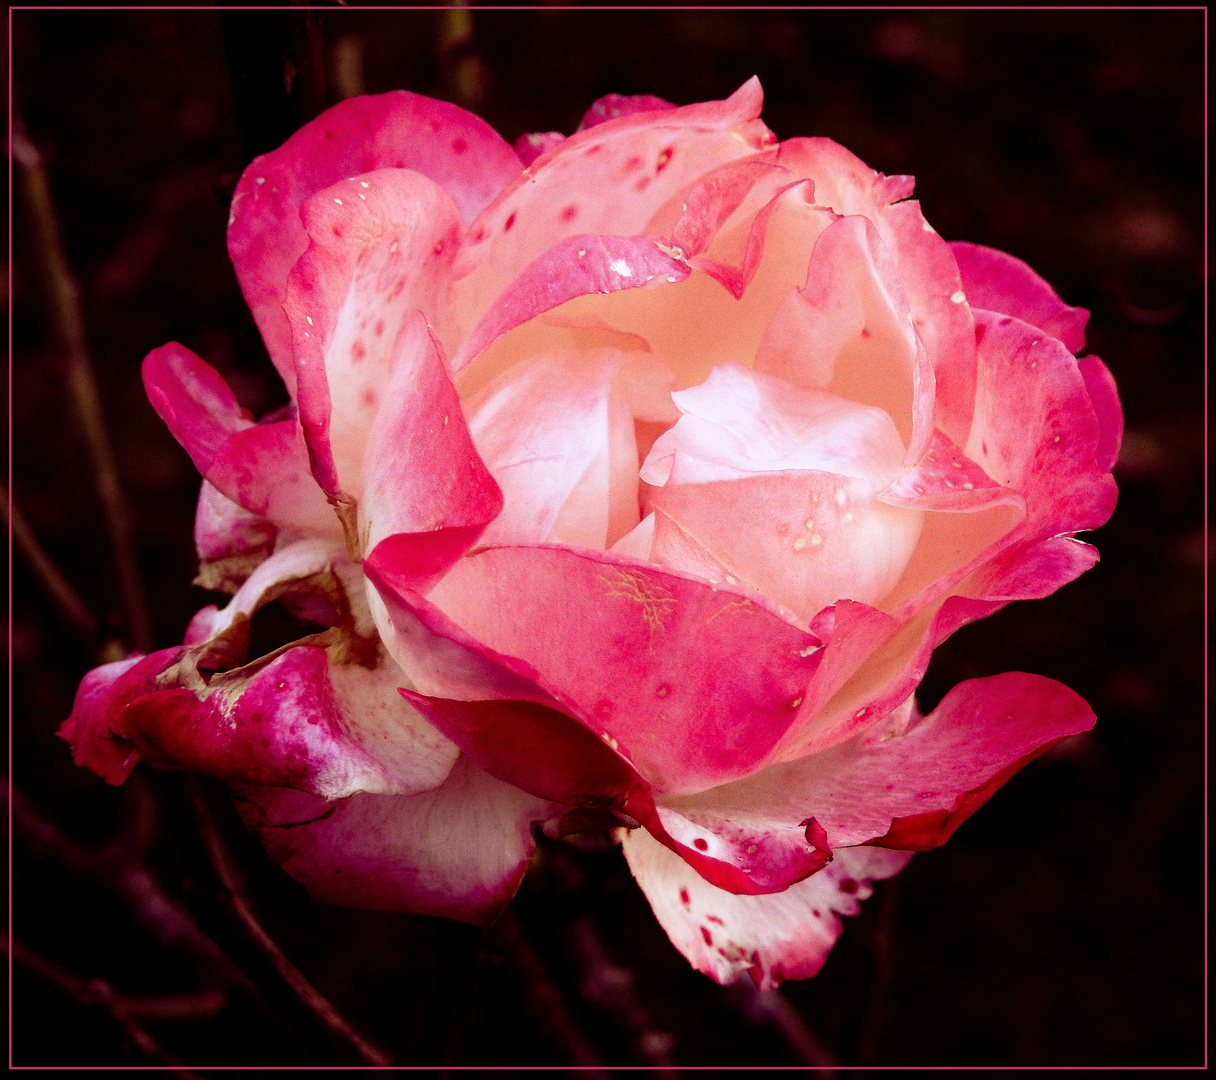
{"type": "Point", "coordinates": [1061, 925]}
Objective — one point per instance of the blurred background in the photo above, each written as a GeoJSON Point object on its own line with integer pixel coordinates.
{"type": "Point", "coordinates": [1062, 925]}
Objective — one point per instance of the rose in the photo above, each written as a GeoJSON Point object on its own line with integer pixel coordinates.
{"type": "Point", "coordinates": [633, 490]}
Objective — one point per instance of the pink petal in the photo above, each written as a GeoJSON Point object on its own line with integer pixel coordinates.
{"type": "Point", "coordinates": [230, 540]}
{"type": "Point", "coordinates": [530, 146]}
{"type": "Point", "coordinates": [851, 331]}
{"type": "Point", "coordinates": [381, 248]}
{"type": "Point", "coordinates": [611, 106]}
{"type": "Point", "coordinates": [785, 935]}
{"type": "Point", "coordinates": [803, 539]}
{"type": "Point", "coordinates": [937, 772]}
{"type": "Point", "coordinates": [575, 266]}
{"type": "Point", "coordinates": [1035, 427]}
{"type": "Point", "coordinates": [561, 446]}
{"type": "Point", "coordinates": [459, 851]}
{"type": "Point", "coordinates": [943, 479]}
{"type": "Point", "coordinates": [639, 652]}
{"type": "Point", "coordinates": [94, 730]}
{"type": "Point", "coordinates": [454, 148]}
{"type": "Point", "coordinates": [923, 261]}
{"type": "Point", "coordinates": [1104, 396]}
{"type": "Point", "coordinates": [742, 188]}
{"type": "Point", "coordinates": [261, 467]}
{"type": "Point", "coordinates": [426, 492]}
{"type": "Point", "coordinates": [998, 282]}
{"type": "Point", "coordinates": [740, 423]}
{"type": "Point", "coordinates": [609, 180]}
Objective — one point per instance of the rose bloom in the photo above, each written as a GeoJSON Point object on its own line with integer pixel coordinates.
{"type": "Point", "coordinates": [628, 482]}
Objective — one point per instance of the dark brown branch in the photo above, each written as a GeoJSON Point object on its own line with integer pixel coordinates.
{"type": "Point", "coordinates": [339, 1033]}
{"type": "Point", "coordinates": [772, 1008]}
{"type": "Point", "coordinates": [610, 986]}
{"type": "Point", "coordinates": [70, 606]}
{"type": "Point", "coordinates": [98, 994]}
{"type": "Point", "coordinates": [69, 328]}
{"type": "Point", "coordinates": [547, 1003]}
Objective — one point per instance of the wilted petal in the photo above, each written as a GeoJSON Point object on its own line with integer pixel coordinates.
{"type": "Point", "coordinates": [230, 540]}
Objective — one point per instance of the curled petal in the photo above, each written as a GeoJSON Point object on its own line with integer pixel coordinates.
{"type": "Point", "coordinates": [783, 935]}
{"type": "Point", "coordinates": [640, 653]}
{"type": "Point", "coordinates": [230, 540]}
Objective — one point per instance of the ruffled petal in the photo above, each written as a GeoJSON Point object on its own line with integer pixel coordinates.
{"type": "Point", "coordinates": [850, 330]}
{"type": "Point", "coordinates": [784, 935]}
{"type": "Point", "coordinates": [995, 281]}
{"type": "Point", "coordinates": [457, 150]}
{"type": "Point", "coordinates": [611, 179]}
{"type": "Point", "coordinates": [459, 851]}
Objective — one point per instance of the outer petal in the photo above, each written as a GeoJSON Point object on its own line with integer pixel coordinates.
{"type": "Point", "coordinates": [261, 467]}
{"type": "Point", "coordinates": [1104, 396]}
{"type": "Point", "coordinates": [641, 653]}
{"type": "Point", "coordinates": [611, 106]}
{"type": "Point", "coordinates": [457, 150]}
{"type": "Point", "coordinates": [785, 935]}
{"type": "Point", "coordinates": [459, 851]}
{"type": "Point", "coordinates": [930, 775]}
{"type": "Point", "coordinates": [610, 179]}
{"type": "Point", "coordinates": [381, 247]}
{"type": "Point", "coordinates": [999, 282]}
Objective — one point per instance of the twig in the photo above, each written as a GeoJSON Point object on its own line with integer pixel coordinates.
{"type": "Point", "coordinates": [68, 319]}
{"type": "Point", "coordinates": [352, 1046]}
{"type": "Point", "coordinates": [611, 986]}
{"type": "Point", "coordinates": [547, 1002]}
{"type": "Point", "coordinates": [70, 606]}
{"type": "Point", "coordinates": [771, 1007]}
{"type": "Point", "coordinates": [884, 973]}
{"type": "Point", "coordinates": [113, 871]}
{"type": "Point", "coordinates": [96, 993]}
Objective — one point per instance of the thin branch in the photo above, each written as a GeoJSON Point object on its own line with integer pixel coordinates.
{"type": "Point", "coordinates": [547, 1002]}
{"type": "Point", "coordinates": [610, 986]}
{"type": "Point", "coordinates": [69, 605]}
{"type": "Point", "coordinates": [353, 1047]}
{"type": "Point", "coordinates": [772, 1008]}
{"type": "Point", "coordinates": [113, 871]}
{"type": "Point", "coordinates": [98, 994]}
{"type": "Point", "coordinates": [69, 326]}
